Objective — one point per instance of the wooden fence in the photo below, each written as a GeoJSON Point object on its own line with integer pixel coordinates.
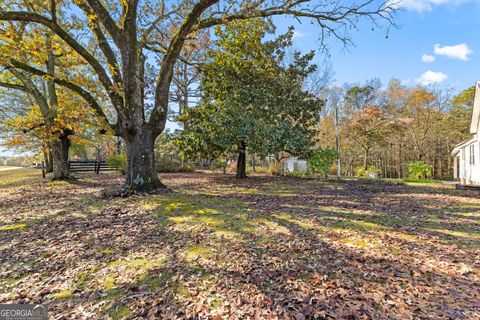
{"type": "Point", "coordinates": [89, 166]}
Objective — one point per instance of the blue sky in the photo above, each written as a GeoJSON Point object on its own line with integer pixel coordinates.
{"type": "Point", "coordinates": [452, 25]}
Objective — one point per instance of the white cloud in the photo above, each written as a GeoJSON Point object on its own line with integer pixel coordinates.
{"type": "Point", "coordinates": [431, 77]}
{"type": "Point", "coordinates": [423, 5]}
{"type": "Point", "coordinates": [428, 58]}
{"type": "Point", "coordinates": [297, 34]}
{"type": "Point", "coordinates": [459, 51]}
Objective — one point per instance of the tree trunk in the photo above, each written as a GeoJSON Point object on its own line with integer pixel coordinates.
{"type": "Point", "coordinates": [400, 161]}
{"type": "Point", "coordinates": [61, 168]}
{"type": "Point", "coordinates": [449, 160]}
{"type": "Point", "coordinates": [365, 159]}
{"type": "Point", "coordinates": [118, 145]}
{"type": "Point", "coordinates": [50, 161]}
{"type": "Point", "coordinates": [440, 167]}
{"type": "Point", "coordinates": [48, 158]}
{"type": "Point", "coordinates": [141, 173]}
{"type": "Point", "coordinates": [242, 161]}
{"type": "Point", "coordinates": [337, 143]}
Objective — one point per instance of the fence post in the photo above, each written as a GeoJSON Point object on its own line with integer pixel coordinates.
{"type": "Point", "coordinates": [43, 169]}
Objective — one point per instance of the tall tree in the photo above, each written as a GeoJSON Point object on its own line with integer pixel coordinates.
{"type": "Point", "coordinates": [251, 101]}
{"type": "Point", "coordinates": [125, 30]}
{"type": "Point", "coordinates": [46, 120]}
{"type": "Point", "coordinates": [368, 128]}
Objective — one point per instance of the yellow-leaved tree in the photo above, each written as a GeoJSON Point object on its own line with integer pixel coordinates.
{"type": "Point", "coordinates": [49, 114]}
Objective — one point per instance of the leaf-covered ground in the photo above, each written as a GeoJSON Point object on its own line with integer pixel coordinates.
{"type": "Point", "coordinates": [264, 248]}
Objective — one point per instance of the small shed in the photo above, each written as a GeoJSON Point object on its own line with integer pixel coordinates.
{"type": "Point", "coordinates": [294, 164]}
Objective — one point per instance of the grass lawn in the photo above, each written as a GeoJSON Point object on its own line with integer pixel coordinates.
{"type": "Point", "coordinates": [7, 167]}
{"type": "Point", "coordinates": [263, 248]}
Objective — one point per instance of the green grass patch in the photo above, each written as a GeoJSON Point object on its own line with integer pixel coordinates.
{"type": "Point", "coordinates": [180, 289]}
{"type": "Point", "coordinates": [9, 281]}
{"type": "Point", "coordinates": [108, 251]}
{"type": "Point", "coordinates": [58, 183]}
{"type": "Point", "coordinates": [470, 234]}
{"type": "Point", "coordinates": [16, 178]}
{"type": "Point", "coordinates": [109, 282]}
{"type": "Point", "coordinates": [356, 225]}
{"type": "Point", "coordinates": [395, 251]}
{"type": "Point", "coordinates": [197, 251]}
{"type": "Point", "coordinates": [224, 217]}
{"type": "Point", "coordinates": [16, 227]}
{"type": "Point", "coordinates": [155, 280]}
{"type": "Point", "coordinates": [121, 312]}
{"type": "Point", "coordinates": [64, 294]}
{"type": "Point", "coordinates": [360, 242]}
{"type": "Point", "coordinates": [113, 294]}
{"type": "Point", "coordinates": [281, 190]}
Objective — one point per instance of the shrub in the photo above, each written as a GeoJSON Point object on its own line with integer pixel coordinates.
{"type": "Point", "coordinates": [370, 172]}
{"type": "Point", "coordinates": [275, 168]}
{"type": "Point", "coordinates": [373, 172]}
{"type": "Point", "coordinates": [360, 172]}
{"type": "Point", "coordinates": [419, 170]}
{"type": "Point", "coordinates": [261, 169]}
{"type": "Point", "coordinates": [321, 160]}
{"type": "Point", "coordinates": [172, 165]}
{"type": "Point", "coordinates": [296, 174]}
{"type": "Point", "coordinates": [219, 164]}
{"type": "Point", "coordinates": [118, 162]}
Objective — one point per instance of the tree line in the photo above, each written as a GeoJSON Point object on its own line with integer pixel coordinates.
{"type": "Point", "coordinates": [383, 129]}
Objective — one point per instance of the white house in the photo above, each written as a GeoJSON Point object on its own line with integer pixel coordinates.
{"type": "Point", "coordinates": [294, 164]}
{"type": "Point", "coordinates": [466, 161]}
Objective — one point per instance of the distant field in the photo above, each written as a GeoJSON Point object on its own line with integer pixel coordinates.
{"type": "Point", "coordinates": [18, 176]}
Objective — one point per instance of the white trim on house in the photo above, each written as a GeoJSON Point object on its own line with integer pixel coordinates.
{"type": "Point", "coordinates": [466, 161]}
{"type": "Point", "coordinates": [476, 111]}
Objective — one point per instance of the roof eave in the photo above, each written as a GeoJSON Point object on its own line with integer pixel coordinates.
{"type": "Point", "coordinates": [476, 111]}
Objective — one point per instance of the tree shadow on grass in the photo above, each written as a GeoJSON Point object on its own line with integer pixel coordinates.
{"type": "Point", "coordinates": [298, 274]}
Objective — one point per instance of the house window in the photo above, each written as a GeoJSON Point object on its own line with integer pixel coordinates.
{"type": "Point", "coordinates": [472, 154]}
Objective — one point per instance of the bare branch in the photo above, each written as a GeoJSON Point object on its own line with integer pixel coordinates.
{"type": "Point", "coordinates": [13, 86]}
{"type": "Point", "coordinates": [166, 69]}
{"type": "Point", "coordinates": [112, 28]}
{"type": "Point", "coordinates": [328, 19]}
{"type": "Point", "coordinates": [103, 44]}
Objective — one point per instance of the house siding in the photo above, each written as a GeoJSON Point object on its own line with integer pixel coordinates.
{"type": "Point", "coordinates": [469, 173]}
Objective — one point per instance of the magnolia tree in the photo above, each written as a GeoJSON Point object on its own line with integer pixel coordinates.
{"type": "Point", "coordinates": [252, 99]}
{"type": "Point", "coordinates": [120, 38]}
